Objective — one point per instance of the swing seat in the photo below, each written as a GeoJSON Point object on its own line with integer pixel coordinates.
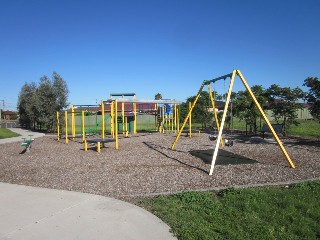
{"type": "Point", "coordinates": [228, 143]}
{"type": "Point", "coordinates": [213, 137]}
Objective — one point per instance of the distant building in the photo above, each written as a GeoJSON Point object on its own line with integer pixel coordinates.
{"type": "Point", "coordinates": [302, 114]}
{"type": "Point", "coordinates": [9, 115]}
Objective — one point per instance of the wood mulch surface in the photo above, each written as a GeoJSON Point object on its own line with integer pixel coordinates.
{"type": "Point", "coordinates": [144, 165]}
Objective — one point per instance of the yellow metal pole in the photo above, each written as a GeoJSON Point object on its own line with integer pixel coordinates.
{"type": "Point", "coordinates": [66, 128]}
{"type": "Point", "coordinates": [112, 119]}
{"type": "Point", "coordinates": [102, 115]}
{"type": "Point", "coordinates": [58, 126]}
{"type": "Point", "coordinates": [98, 147]}
{"type": "Point", "coordinates": [74, 124]}
{"type": "Point", "coordinates": [178, 119]}
{"type": "Point", "coordinates": [116, 122]}
{"type": "Point", "coordinates": [135, 116]}
{"type": "Point", "coordinates": [188, 116]}
{"type": "Point", "coordinates": [122, 113]}
{"type": "Point", "coordinates": [73, 127]}
{"type": "Point", "coordinates": [85, 146]}
{"type": "Point", "coordinates": [190, 121]}
{"type": "Point", "coordinates": [266, 119]}
{"type": "Point", "coordinates": [163, 119]}
{"type": "Point", "coordinates": [215, 112]}
{"type": "Point", "coordinates": [126, 124]}
{"type": "Point", "coordinates": [175, 118]}
{"type": "Point", "coordinates": [215, 153]}
{"type": "Point", "coordinates": [83, 130]}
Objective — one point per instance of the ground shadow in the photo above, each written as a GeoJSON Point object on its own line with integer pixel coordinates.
{"type": "Point", "coordinates": [153, 147]}
{"type": "Point", "coordinates": [224, 157]}
{"type": "Point", "coordinates": [294, 141]}
{"type": "Point", "coordinates": [312, 142]}
{"type": "Point", "coordinates": [23, 151]}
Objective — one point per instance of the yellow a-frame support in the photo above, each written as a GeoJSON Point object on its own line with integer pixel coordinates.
{"type": "Point", "coordinates": [232, 78]}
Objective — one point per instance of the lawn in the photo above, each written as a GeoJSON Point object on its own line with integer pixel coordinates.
{"type": "Point", "coordinates": [308, 128]}
{"type": "Point", "coordinates": [253, 213]}
{"type": "Point", "coordinates": [305, 128]}
{"type": "Point", "coordinates": [6, 133]}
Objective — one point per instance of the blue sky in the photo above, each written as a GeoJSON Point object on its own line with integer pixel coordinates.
{"type": "Point", "coordinates": [147, 46]}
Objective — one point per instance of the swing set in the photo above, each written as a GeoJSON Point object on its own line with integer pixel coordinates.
{"type": "Point", "coordinates": [221, 126]}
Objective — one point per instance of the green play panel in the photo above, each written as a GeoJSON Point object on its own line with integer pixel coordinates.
{"type": "Point", "coordinates": [224, 157]}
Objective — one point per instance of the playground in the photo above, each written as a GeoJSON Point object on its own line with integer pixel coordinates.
{"type": "Point", "coordinates": [111, 158]}
{"type": "Point", "coordinates": [144, 165]}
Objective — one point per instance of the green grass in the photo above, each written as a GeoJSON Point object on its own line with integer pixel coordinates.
{"type": "Point", "coordinates": [6, 133]}
{"type": "Point", "coordinates": [140, 127]}
{"type": "Point", "coordinates": [253, 213]}
{"type": "Point", "coordinates": [306, 129]}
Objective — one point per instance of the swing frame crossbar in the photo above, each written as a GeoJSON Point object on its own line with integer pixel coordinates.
{"type": "Point", "coordinates": [220, 129]}
{"type": "Point", "coordinates": [207, 82]}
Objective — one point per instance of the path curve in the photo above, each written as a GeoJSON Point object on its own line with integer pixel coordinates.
{"type": "Point", "coordinates": [39, 213]}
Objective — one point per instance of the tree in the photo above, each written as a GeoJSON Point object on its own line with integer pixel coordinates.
{"type": "Point", "coordinates": [46, 103]}
{"type": "Point", "coordinates": [313, 96]}
{"type": "Point", "coordinates": [60, 91]}
{"type": "Point", "coordinates": [26, 108]}
{"type": "Point", "coordinates": [230, 113]}
{"type": "Point", "coordinates": [245, 108]}
{"type": "Point", "coordinates": [200, 112]}
{"type": "Point", "coordinates": [38, 105]}
{"type": "Point", "coordinates": [183, 111]}
{"type": "Point", "coordinates": [158, 96]}
{"type": "Point", "coordinates": [284, 103]}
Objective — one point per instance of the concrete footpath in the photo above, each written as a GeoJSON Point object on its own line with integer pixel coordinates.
{"type": "Point", "coordinates": [24, 134]}
{"type": "Point", "coordinates": [37, 213]}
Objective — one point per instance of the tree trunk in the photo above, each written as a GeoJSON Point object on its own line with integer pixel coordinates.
{"type": "Point", "coordinates": [284, 126]}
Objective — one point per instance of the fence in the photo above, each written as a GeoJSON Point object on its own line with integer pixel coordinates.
{"type": "Point", "coordinates": [9, 124]}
